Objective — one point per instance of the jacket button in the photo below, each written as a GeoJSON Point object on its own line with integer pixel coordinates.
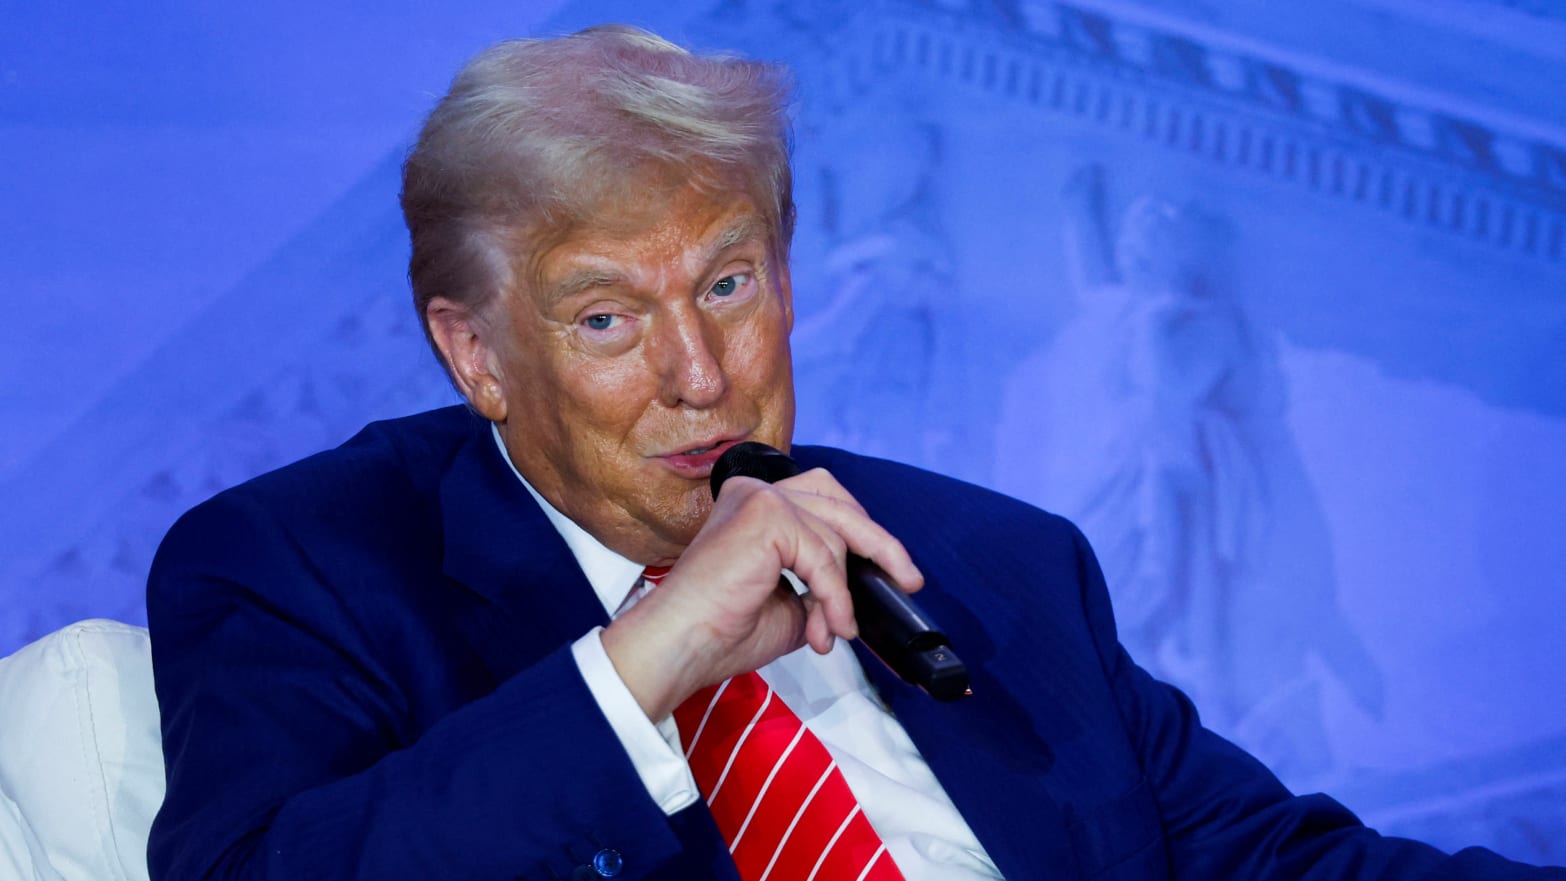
{"type": "Point", "coordinates": [608, 862]}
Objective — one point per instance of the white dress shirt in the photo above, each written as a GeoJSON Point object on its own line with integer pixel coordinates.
{"type": "Point", "coordinates": [921, 827]}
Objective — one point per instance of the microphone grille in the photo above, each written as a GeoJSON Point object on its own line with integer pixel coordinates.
{"type": "Point", "coordinates": [752, 459]}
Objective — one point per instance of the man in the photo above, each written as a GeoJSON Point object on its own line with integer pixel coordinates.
{"type": "Point", "coordinates": [436, 651]}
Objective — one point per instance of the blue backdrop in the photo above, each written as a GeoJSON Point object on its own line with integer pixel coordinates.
{"type": "Point", "coordinates": [1271, 301]}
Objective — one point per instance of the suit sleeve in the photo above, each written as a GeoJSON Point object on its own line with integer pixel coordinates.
{"type": "Point", "coordinates": [289, 751]}
{"type": "Point", "coordinates": [1226, 816]}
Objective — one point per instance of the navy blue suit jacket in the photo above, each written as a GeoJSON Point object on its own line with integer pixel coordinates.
{"type": "Point", "coordinates": [363, 666]}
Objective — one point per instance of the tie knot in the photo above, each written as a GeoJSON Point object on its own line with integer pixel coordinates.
{"type": "Point", "coordinates": [655, 574]}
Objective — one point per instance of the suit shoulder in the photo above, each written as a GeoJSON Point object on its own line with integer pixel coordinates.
{"type": "Point", "coordinates": [897, 493]}
{"type": "Point", "coordinates": [386, 457]}
{"type": "Point", "coordinates": [987, 557]}
{"type": "Point", "coordinates": [378, 481]}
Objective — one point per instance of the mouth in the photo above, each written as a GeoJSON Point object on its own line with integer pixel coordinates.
{"type": "Point", "coordinates": [697, 451]}
{"type": "Point", "coordinates": [696, 462]}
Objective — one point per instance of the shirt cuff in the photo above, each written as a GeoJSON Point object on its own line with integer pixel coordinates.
{"type": "Point", "coordinates": [654, 749]}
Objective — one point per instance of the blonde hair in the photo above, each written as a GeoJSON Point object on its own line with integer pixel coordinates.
{"type": "Point", "coordinates": [537, 135]}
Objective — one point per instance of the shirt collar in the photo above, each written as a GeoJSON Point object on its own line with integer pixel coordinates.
{"type": "Point", "coordinates": [611, 575]}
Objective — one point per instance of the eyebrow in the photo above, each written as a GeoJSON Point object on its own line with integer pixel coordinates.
{"type": "Point", "coordinates": [743, 229]}
{"type": "Point", "coordinates": [581, 280]}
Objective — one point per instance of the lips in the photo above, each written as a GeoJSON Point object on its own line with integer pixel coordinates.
{"type": "Point", "coordinates": [696, 462]}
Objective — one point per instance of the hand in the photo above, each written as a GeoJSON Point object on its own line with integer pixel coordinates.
{"type": "Point", "coordinates": [721, 609]}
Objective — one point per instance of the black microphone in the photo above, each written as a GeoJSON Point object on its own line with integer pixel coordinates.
{"type": "Point", "coordinates": [890, 625]}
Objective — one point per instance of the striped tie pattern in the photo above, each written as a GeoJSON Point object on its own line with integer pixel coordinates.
{"type": "Point", "coordinates": [774, 790]}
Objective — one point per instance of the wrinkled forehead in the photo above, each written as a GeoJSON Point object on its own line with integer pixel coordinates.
{"type": "Point", "coordinates": [677, 211]}
{"type": "Point", "coordinates": [634, 198]}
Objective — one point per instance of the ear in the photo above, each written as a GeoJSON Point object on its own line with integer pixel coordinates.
{"type": "Point", "coordinates": [467, 345]}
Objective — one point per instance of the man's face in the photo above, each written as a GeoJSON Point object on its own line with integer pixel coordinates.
{"type": "Point", "coordinates": [633, 353]}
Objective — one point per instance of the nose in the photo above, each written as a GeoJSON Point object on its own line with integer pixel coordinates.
{"type": "Point", "coordinates": [688, 356]}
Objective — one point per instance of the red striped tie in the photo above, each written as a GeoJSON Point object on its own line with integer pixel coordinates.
{"type": "Point", "coordinates": [774, 790]}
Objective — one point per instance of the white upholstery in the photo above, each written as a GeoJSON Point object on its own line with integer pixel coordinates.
{"type": "Point", "coordinates": [81, 768]}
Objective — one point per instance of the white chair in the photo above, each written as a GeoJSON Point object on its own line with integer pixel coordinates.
{"type": "Point", "coordinates": [81, 767]}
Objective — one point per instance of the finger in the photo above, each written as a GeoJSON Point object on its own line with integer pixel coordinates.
{"type": "Point", "coordinates": [817, 632]}
{"type": "Point", "coordinates": [863, 536]}
{"type": "Point", "coordinates": [796, 612]}
{"type": "Point", "coordinates": [819, 556]}
{"type": "Point", "coordinates": [820, 482]}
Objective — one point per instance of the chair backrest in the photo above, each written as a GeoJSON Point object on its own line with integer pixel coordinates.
{"type": "Point", "coordinates": [81, 766]}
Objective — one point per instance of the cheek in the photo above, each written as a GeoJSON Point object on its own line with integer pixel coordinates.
{"type": "Point", "coordinates": [771, 366]}
{"type": "Point", "coordinates": [604, 399]}
{"type": "Point", "coordinates": [760, 348]}
{"type": "Point", "coordinates": [765, 373]}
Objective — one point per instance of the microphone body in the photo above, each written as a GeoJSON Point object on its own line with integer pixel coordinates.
{"type": "Point", "coordinates": [890, 624]}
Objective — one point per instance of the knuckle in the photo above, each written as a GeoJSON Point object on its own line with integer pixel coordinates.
{"type": "Point", "coordinates": [833, 545]}
{"type": "Point", "coordinates": [761, 499]}
{"type": "Point", "coordinates": [818, 475]}
{"type": "Point", "coordinates": [821, 481]}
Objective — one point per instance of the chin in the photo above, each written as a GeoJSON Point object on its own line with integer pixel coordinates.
{"type": "Point", "coordinates": [682, 520]}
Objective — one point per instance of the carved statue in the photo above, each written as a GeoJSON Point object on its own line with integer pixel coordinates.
{"type": "Point", "coordinates": [1164, 437]}
{"type": "Point", "coordinates": [887, 264]}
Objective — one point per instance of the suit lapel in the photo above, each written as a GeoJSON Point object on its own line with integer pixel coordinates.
{"type": "Point", "coordinates": [526, 594]}
{"type": "Point", "coordinates": [985, 750]}
{"type": "Point", "coordinates": [989, 751]}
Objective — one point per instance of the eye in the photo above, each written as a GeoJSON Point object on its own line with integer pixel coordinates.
{"type": "Point", "coordinates": [599, 322]}
{"type": "Point", "coordinates": [729, 284]}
